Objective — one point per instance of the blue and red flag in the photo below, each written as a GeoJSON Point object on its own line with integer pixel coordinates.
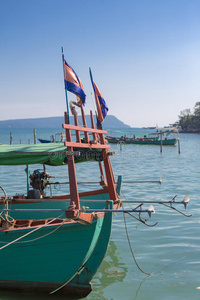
{"type": "Point", "coordinates": [102, 108]}
{"type": "Point", "coordinates": [73, 84]}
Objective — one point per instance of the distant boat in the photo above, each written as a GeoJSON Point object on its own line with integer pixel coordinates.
{"type": "Point", "coordinates": [141, 141]}
{"type": "Point", "coordinates": [156, 138]}
{"type": "Point", "coordinates": [44, 141]}
{"type": "Point", "coordinates": [56, 138]}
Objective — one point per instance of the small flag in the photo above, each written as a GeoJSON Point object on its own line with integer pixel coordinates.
{"type": "Point", "coordinates": [73, 83]}
{"type": "Point", "coordinates": [102, 108]}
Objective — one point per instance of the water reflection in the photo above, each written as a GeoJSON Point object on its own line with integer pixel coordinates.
{"type": "Point", "coordinates": [111, 271]}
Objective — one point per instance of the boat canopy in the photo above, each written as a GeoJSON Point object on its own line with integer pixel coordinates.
{"type": "Point", "coordinates": [54, 154]}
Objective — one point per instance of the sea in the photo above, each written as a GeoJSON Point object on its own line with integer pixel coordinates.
{"type": "Point", "coordinates": [161, 262]}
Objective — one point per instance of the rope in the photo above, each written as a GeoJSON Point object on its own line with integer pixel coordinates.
{"type": "Point", "coordinates": [174, 262]}
{"type": "Point", "coordinates": [131, 246]}
{"type": "Point", "coordinates": [77, 272]}
{"type": "Point", "coordinates": [21, 237]}
{"type": "Point", "coordinates": [149, 274]}
{"type": "Point", "coordinates": [40, 237]}
{"type": "Point", "coordinates": [3, 192]}
{"type": "Point", "coordinates": [5, 197]}
{"type": "Point", "coordinates": [68, 281]}
{"type": "Point", "coordinates": [5, 216]}
{"type": "Point", "coordinates": [143, 219]}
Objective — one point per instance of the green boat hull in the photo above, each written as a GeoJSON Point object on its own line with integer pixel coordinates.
{"type": "Point", "coordinates": [54, 256]}
{"type": "Point", "coordinates": [168, 142]}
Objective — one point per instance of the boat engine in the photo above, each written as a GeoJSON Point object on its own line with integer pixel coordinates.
{"type": "Point", "coordinates": [39, 181]}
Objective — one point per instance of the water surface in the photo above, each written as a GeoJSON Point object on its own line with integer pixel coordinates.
{"type": "Point", "coordinates": [170, 251]}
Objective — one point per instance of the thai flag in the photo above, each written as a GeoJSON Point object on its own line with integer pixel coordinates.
{"type": "Point", "coordinates": [102, 108]}
{"type": "Point", "coordinates": [73, 84]}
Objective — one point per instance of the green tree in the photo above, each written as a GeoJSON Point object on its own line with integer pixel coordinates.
{"type": "Point", "coordinates": [188, 121]}
{"type": "Point", "coordinates": [197, 109]}
{"type": "Point", "coordinates": [185, 119]}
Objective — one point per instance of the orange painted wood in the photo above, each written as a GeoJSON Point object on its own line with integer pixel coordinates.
{"type": "Point", "coordinates": [84, 145]}
{"type": "Point", "coordinates": [80, 217]}
{"type": "Point", "coordinates": [109, 176]}
{"type": "Point", "coordinates": [78, 137]}
{"type": "Point", "coordinates": [93, 126]}
{"type": "Point", "coordinates": [84, 124]}
{"type": "Point", "coordinates": [102, 174]}
{"type": "Point", "coordinates": [108, 170]}
{"type": "Point", "coordinates": [71, 169]}
{"type": "Point", "coordinates": [73, 127]}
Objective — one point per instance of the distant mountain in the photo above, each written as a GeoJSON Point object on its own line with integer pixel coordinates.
{"type": "Point", "coordinates": [56, 122]}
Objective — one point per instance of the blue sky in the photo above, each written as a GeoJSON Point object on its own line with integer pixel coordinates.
{"type": "Point", "coordinates": [144, 55]}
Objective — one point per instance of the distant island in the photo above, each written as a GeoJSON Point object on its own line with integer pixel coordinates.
{"type": "Point", "coordinates": [189, 122]}
{"type": "Point", "coordinates": [56, 122]}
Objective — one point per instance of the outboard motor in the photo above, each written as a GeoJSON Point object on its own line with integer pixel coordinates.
{"type": "Point", "coordinates": [39, 181]}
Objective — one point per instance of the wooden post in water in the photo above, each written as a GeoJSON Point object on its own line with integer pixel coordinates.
{"type": "Point", "coordinates": [179, 148]}
{"type": "Point", "coordinates": [35, 138]}
{"type": "Point", "coordinates": [160, 141]}
{"type": "Point", "coordinates": [11, 138]}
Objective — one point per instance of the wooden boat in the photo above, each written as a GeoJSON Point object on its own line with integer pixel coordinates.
{"type": "Point", "coordinates": [159, 137]}
{"type": "Point", "coordinates": [55, 244]}
{"type": "Point", "coordinates": [141, 141]}
{"type": "Point", "coordinates": [56, 138]}
{"type": "Point", "coordinates": [45, 141]}
{"type": "Point", "coordinates": [51, 253]}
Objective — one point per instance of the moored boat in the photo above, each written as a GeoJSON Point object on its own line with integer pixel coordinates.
{"type": "Point", "coordinates": [159, 137]}
{"type": "Point", "coordinates": [54, 138]}
{"type": "Point", "coordinates": [74, 239]}
{"type": "Point", "coordinates": [55, 244]}
{"type": "Point", "coordinates": [141, 141]}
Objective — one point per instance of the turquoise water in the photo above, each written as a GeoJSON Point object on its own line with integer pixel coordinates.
{"type": "Point", "coordinates": [170, 250]}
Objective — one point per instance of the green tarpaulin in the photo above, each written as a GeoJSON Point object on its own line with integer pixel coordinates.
{"type": "Point", "coordinates": [50, 154]}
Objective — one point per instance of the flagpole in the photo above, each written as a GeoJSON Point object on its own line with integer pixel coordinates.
{"type": "Point", "coordinates": [90, 71]}
{"type": "Point", "coordinates": [97, 101]}
{"type": "Point", "coordinates": [67, 104]}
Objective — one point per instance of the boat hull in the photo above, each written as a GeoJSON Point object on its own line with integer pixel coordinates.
{"type": "Point", "coordinates": [168, 142]}
{"type": "Point", "coordinates": [53, 256]}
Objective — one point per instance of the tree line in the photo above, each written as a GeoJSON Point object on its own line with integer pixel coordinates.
{"type": "Point", "coordinates": [189, 121]}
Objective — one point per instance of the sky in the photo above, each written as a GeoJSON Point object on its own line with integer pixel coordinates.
{"type": "Point", "coordinates": [144, 56]}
